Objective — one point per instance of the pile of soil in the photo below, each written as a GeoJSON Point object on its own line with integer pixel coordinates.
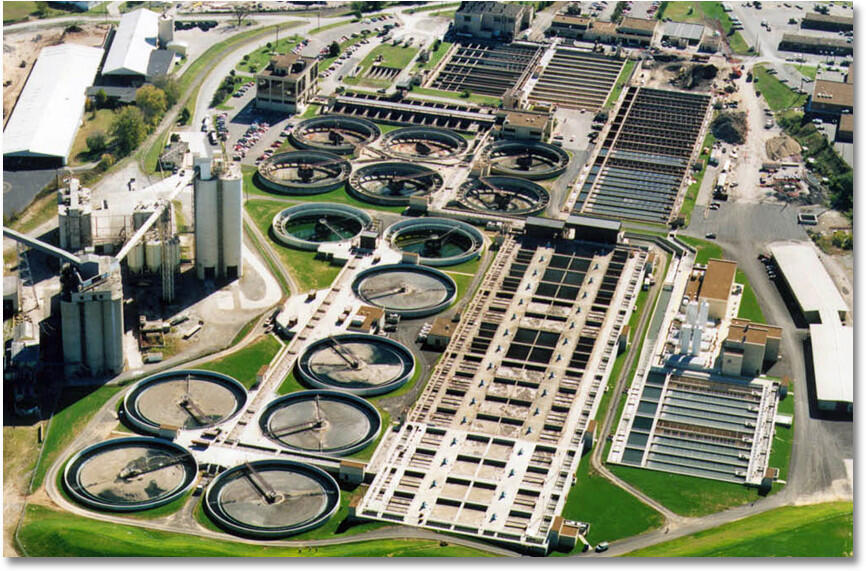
{"type": "Point", "coordinates": [730, 127]}
{"type": "Point", "coordinates": [782, 147]}
{"type": "Point", "coordinates": [692, 76]}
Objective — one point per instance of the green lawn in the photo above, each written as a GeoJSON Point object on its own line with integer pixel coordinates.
{"type": "Point", "coordinates": [473, 97]}
{"type": "Point", "coordinates": [686, 495]}
{"type": "Point", "coordinates": [339, 195]}
{"type": "Point", "coordinates": [463, 282]}
{"type": "Point", "coordinates": [818, 530]}
{"type": "Point", "coordinates": [244, 364]}
{"type": "Point", "coordinates": [76, 407]}
{"type": "Point", "coordinates": [809, 71]}
{"type": "Point", "coordinates": [749, 307]}
{"type": "Point", "coordinates": [20, 11]}
{"type": "Point", "coordinates": [621, 80]}
{"type": "Point", "coordinates": [428, 8]}
{"type": "Point", "coordinates": [49, 533]}
{"type": "Point", "coordinates": [706, 13]}
{"type": "Point", "coordinates": [706, 250]}
{"type": "Point", "coordinates": [100, 121]}
{"type": "Point", "coordinates": [444, 14]}
{"type": "Point", "coordinates": [307, 271]}
{"type": "Point", "coordinates": [151, 157]}
{"type": "Point", "coordinates": [392, 56]}
{"type": "Point", "coordinates": [311, 110]}
{"type": "Point", "coordinates": [258, 59]}
{"type": "Point", "coordinates": [783, 441]}
{"type": "Point", "coordinates": [36, 214]}
{"type": "Point", "coordinates": [436, 56]}
{"type": "Point", "coordinates": [695, 188]}
{"type": "Point", "coordinates": [612, 512]}
{"type": "Point", "coordinates": [777, 94]}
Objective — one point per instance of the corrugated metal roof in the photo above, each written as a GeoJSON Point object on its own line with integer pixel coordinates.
{"type": "Point", "coordinates": [132, 44]}
{"type": "Point", "coordinates": [49, 109]}
{"type": "Point", "coordinates": [811, 284]}
{"type": "Point", "coordinates": [833, 361]}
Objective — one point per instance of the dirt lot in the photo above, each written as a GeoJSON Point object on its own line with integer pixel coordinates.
{"type": "Point", "coordinates": [24, 48]}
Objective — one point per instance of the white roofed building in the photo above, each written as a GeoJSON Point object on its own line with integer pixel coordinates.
{"type": "Point", "coordinates": [833, 365]}
{"type": "Point", "coordinates": [811, 285]}
{"type": "Point", "coordinates": [133, 43]}
{"type": "Point", "coordinates": [46, 117]}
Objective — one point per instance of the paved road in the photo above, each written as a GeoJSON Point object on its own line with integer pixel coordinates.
{"type": "Point", "coordinates": [743, 231]}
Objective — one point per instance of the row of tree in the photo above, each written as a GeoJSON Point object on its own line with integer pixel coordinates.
{"type": "Point", "coordinates": [132, 123]}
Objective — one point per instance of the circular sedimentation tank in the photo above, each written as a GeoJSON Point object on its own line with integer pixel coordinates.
{"type": "Point", "coordinates": [335, 133]}
{"type": "Point", "coordinates": [304, 172]}
{"type": "Point", "coordinates": [356, 363]}
{"type": "Point", "coordinates": [423, 143]}
{"type": "Point", "coordinates": [503, 195]}
{"type": "Point", "coordinates": [188, 399]}
{"type": "Point", "coordinates": [321, 422]}
{"type": "Point", "coordinates": [437, 241]}
{"type": "Point", "coordinates": [269, 499]}
{"type": "Point", "coordinates": [393, 183]}
{"type": "Point", "coordinates": [130, 474]}
{"type": "Point", "coordinates": [528, 159]}
{"type": "Point", "coordinates": [407, 289]}
{"type": "Point", "coordinates": [307, 226]}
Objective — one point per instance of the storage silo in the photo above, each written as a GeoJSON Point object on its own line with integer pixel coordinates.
{"type": "Point", "coordinates": [231, 190]}
{"type": "Point", "coordinates": [206, 227]}
{"type": "Point", "coordinates": [218, 220]}
{"type": "Point", "coordinates": [153, 257]}
{"type": "Point", "coordinates": [165, 30]}
{"type": "Point", "coordinates": [135, 259]}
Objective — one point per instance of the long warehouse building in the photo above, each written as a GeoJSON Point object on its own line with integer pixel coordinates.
{"type": "Point", "coordinates": [46, 118]}
{"type": "Point", "coordinates": [823, 307]}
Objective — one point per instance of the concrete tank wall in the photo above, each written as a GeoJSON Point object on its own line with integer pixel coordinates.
{"type": "Point", "coordinates": [206, 225]}
{"type": "Point", "coordinates": [231, 231]}
{"type": "Point", "coordinates": [166, 31]}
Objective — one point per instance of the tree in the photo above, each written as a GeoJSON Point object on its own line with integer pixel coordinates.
{"type": "Point", "coordinates": [183, 119]}
{"type": "Point", "coordinates": [170, 87]}
{"type": "Point", "coordinates": [241, 10]}
{"type": "Point", "coordinates": [105, 162]}
{"type": "Point", "coordinates": [129, 129]}
{"type": "Point", "coordinates": [101, 99]}
{"type": "Point", "coordinates": [96, 142]}
{"type": "Point", "coordinates": [334, 49]}
{"type": "Point", "coordinates": [151, 100]}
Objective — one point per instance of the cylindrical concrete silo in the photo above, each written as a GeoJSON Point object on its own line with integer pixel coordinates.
{"type": "Point", "coordinates": [112, 331]}
{"type": "Point", "coordinates": [153, 256]}
{"type": "Point", "coordinates": [165, 31]}
{"type": "Point", "coordinates": [231, 189]}
{"type": "Point", "coordinates": [206, 228]}
{"type": "Point", "coordinates": [135, 259]}
{"type": "Point", "coordinates": [93, 335]}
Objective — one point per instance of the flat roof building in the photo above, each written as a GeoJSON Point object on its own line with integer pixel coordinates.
{"type": "Point", "coordinates": [748, 346]}
{"type": "Point", "coordinates": [831, 97]}
{"type": "Point", "coordinates": [492, 20]}
{"type": "Point", "coordinates": [812, 287]}
{"type": "Point", "coordinates": [527, 125]}
{"type": "Point", "coordinates": [713, 286]}
{"type": "Point", "coordinates": [833, 365]}
{"type": "Point", "coordinates": [815, 45]}
{"type": "Point", "coordinates": [288, 83]}
{"type": "Point", "coordinates": [683, 33]}
{"type": "Point", "coordinates": [828, 22]}
{"type": "Point", "coordinates": [46, 117]}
